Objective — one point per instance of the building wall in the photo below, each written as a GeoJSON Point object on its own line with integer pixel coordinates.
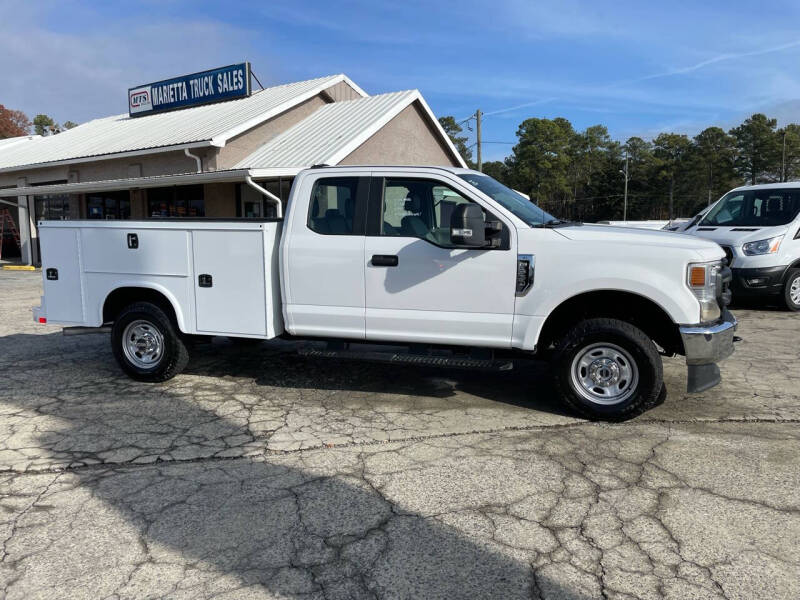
{"type": "Point", "coordinates": [342, 92]}
{"type": "Point", "coordinates": [138, 204]}
{"type": "Point", "coordinates": [34, 175]}
{"type": "Point", "coordinates": [220, 199]}
{"type": "Point", "coordinates": [243, 145]}
{"type": "Point", "coordinates": [408, 139]}
{"type": "Point", "coordinates": [162, 163]}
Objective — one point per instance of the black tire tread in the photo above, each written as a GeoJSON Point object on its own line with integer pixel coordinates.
{"type": "Point", "coordinates": [176, 355]}
{"type": "Point", "coordinates": [787, 300]}
{"type": "Point", "coordinates": [651, 393]}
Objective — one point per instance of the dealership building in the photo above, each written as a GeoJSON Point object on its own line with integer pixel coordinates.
{"type": "Point", "coordinates": [190, 149]}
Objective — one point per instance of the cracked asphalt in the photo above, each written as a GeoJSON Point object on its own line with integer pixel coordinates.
{"type": "Point", "coordinates": [261, 474]}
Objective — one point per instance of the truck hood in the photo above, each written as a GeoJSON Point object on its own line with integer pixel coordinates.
{"type": "Point", "coordinates": [609, 234]}
{"type": "Point", "coordinates": [736, 236]}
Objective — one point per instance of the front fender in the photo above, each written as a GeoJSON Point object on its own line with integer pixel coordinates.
{"type": "Point", "coordinates": [552, 287]}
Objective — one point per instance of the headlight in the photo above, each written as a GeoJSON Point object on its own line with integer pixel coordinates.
{"type": "Point", "coordinates": [769, 246]}
{"type": "Point", "coordinates": [704, 279]}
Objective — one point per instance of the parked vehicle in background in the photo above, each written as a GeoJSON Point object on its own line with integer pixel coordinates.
{"type": "Point", "coordinates": [636, 224]}
{"type": "Point", "coordinates": [678, 225]}
{"type": "Point", "coordinates": [447, 263]}
{"type": "Point", "coordinates": [758, 227]}
{"type": "Point", "coordinates": [683, 225]}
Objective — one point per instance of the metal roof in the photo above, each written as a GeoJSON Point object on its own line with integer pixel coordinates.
{"type": "Point", "coordinates": [12, 141]}
{"type": "Point", "coordinates": [211, 124]}
{"type": "Point", "coordinates": [334, 131]}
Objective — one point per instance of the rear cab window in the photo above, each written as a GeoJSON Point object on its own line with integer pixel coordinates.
{"type": "Point", "coordinates": [338, 206]}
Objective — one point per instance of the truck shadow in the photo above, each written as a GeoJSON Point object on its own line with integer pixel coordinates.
{"type": "Point", "coordinates": [301, 525]}
{"type": "Point", "coordinates": [277, 364]}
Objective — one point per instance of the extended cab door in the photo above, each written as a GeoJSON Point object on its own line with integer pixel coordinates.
{"type": "Point", "coordinates": [419, 287]}
{"type": "Point", "coordinates": [323, 261]}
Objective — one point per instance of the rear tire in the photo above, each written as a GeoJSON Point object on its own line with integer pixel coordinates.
{"type": "Point", "coordinates": [791, 290]}
{"type": "Point", "coordinates": [606, 369]}
{"type": "Point", "coordinates": [146, 343]}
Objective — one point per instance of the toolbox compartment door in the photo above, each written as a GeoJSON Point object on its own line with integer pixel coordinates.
{"type": "Point", "coordinates": [61, 273]}
{"type": "Point", "coordinates": [229, 282]}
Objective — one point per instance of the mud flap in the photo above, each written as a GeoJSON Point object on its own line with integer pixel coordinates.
{"type": "Point", "coordinates": [702, 378]}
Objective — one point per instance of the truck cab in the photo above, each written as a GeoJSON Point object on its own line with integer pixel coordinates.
{"type": "Point", "coordinates": [446, 262]}
{"type": "Point", "coordinates": [759, 228]}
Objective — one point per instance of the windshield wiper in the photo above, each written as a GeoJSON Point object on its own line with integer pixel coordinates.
{"type": "Point", "coordinates": [556, 223]}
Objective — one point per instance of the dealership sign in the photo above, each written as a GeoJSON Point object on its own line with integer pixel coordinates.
{"type": "Point", "coordinates": [217, 85]}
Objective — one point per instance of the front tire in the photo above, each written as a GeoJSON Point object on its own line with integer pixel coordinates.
{"type": "Point", "coordinates": [606, 369]}
{"type": "Point", "coordinates": [146, 344]}
{"type": "Point", "coordinates": [791, 290]}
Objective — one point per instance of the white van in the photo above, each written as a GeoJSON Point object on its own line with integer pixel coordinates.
{"type": "Point", "coordinates": [757, 226]}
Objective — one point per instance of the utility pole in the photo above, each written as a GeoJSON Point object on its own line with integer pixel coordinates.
{"type": "Point", "coordinates": [478, 136]}
{"type": "Point", "coordinates": [710, 181]}
{"type": "Point", "coordinates": [783, 158]}
{"type": "Point", "coordinates": [625, 202]}
{"type": "Point", "coordinates": [671, 188]}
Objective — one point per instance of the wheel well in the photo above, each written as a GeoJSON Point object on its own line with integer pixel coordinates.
{"type": "Point", "coordinates": [625, 306]}
{"type": "Point", "coordinates": [125, 296]}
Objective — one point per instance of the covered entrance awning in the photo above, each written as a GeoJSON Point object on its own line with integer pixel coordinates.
{"type": "Point", "coordinates": [136, 183]}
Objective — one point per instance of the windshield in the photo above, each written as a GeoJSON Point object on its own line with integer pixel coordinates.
{"type": "Point", "coordinates": [512, 201]}
{"type": "Point", "coordinates": [760, 208]}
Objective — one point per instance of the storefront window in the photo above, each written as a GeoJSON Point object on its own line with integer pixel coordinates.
{"type": "Point", "coordinates": [253, 205]}
{"type": "Point", "coordinates": [52, 207]}
{"type": "Point", "coordinates": [108, 205]}
{"type": "Point", "coordinates": [178, 201]}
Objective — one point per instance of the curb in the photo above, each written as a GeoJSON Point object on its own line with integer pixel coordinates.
{"type": "Point", "coordinates": [19, 268]}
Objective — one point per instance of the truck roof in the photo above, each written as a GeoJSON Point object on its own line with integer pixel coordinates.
{"type": "Point", "coordinates": [454, 170]}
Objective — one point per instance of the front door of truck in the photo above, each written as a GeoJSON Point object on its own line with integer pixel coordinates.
{"type": "Point", "coordinates": [419, 287]}
{"type": "Point", "coordinates": [324, 262]}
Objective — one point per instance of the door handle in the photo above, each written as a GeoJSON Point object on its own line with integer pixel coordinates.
{"type": "Point", "coordinates": [204, 280]}
{"type": "Point", "coordinates": [384, 260]}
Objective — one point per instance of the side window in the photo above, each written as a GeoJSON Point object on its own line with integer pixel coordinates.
{"type": "Point", "coordinates": [445, 201]}
{"type": "Point", "coordinates": [419, 208]}
{"type": "Point", "coordinates": [332, 209]}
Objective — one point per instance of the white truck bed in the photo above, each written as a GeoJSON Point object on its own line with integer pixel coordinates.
{"type": "Point", "coordinates": [93, 257]}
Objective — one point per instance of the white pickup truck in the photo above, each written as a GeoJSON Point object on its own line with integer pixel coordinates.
{"type": "Point", "coordinates": [447, 262]}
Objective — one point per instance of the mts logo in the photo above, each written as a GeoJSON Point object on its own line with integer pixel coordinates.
{"type": "Point", "coordinates": [139, 98]}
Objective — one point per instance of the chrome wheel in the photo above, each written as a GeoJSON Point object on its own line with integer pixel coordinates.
{"type": "Point", "coordinates": [604, 374]}
{"type": "Point", "coordinates": [143, 344]}
{"type": "Point", "coordinates": [794, 290]}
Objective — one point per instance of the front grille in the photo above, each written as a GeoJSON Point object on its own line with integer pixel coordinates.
{"type": "Point", "coordinates": [728, 254]}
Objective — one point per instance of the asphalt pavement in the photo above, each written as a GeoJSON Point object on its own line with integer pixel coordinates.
{"type": "Point", "coordinates": [262, 474]}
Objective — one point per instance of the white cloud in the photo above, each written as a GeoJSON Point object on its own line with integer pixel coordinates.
{"type": "Point", "coordinates": [83, 75]}
{"type": "Point", "coordinates": [727, 56]}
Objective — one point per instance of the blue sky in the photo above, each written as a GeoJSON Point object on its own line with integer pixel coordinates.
{"type": "Point", "coordinates": [638, 67]}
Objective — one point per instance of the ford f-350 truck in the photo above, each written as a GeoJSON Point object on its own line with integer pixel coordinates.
{"type": "Point", "coordinates": [447, 263]}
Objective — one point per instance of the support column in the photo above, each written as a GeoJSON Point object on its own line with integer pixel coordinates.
{"type": "Point", "coordinates": [24, 225]}
{"type": "Point", "coordinates": [31, 220]}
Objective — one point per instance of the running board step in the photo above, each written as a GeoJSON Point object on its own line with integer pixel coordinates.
{"type": "Point", "coordinates": [410, 359]}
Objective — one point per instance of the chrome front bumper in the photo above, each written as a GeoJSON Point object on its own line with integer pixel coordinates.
{"type": "Point", "coordinates": [709, 344]}
{"type": "Point", "coordinates": [704, 346]}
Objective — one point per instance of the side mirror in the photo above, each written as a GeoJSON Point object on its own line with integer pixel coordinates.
{"type": "Point", "coordinates": [467, 226]}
